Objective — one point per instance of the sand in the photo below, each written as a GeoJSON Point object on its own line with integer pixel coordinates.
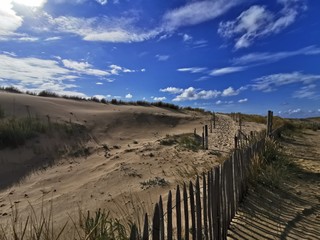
{"type": "Point", "coordinates": [124, 151]}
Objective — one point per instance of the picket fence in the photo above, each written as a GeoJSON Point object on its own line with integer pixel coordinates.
{"type": "Point", "coordinates": [204, 209]}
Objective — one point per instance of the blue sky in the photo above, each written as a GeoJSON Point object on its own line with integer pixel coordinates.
{"type": "Point", "coordinates": [221, 55]}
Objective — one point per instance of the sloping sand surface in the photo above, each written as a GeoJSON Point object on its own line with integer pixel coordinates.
{"type": "Point", "coordinates": [125, 164]}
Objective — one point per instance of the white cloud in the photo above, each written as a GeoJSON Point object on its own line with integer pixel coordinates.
{"type": "Point", "coordinates": [52, 38]}
{"type": "Point", "coordinates": [230, 92]}
{"type": "Point", "coordinates": [308, 91]}
{"type": "Point", "coordinates": [266, 57]}
{"type": "Point", "coordinates": [116, 70]}
{"type": "Point", "coordinates": [172, 90]}
{"type": "Point", "coordinates": [219, 102]}
{"type": "Point", "coordinates": [30, 3]}
{"type": "Point", "coordinates": [271, 82]}
{"type": "Point", "coordinates": [99, 96]}
{"type": "Point", "coordinates": [194, 94]}
{"type": "Point", "coordinates": [102, 2]}
{"type": "Point", "coordinates": [186, 37]}
{"type": "Point", "coordinates": [9, 20]}
{"type": "Point", "coordinates": [99, 83]}
{"type": "Point", "coordinates": [160, 99]}
{"type": "Point", "coordinates": [27, 39]}
{"type": "Point", "coordinates": [129, 96]}
{"type": "Point", "coordinates": [35, 74]}
{"type": "Point", "coordinates": [192, 69]}
{"type": "Point", "coordinates": [162, 57]}
{"type": "Point", "coordinates": [257, 22]}
{"type": "Point", "coordinates": [243, 100]}
{"type": "Point", "coordinates": [84, 68]}
{"type": "Point", "coordinates": [105, 29]}
{"type": "Point", "coordinates": [226, 70]}
{"type": "Point", "coordinates": [196, 12]}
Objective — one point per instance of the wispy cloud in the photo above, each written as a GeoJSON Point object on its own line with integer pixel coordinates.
{"type": "Point", "coordinates": [308, 91]}
{"type": "Point", "coordinates": [162, 57]}
{"type": "Point", "coordinates": [58, 75]}
{"type": "Point", "coordinates": [196, 12]}
{"type": "Point", "coordinates": [192, 69]}
{"type": "Point", "coordinates": [243, 100]}
{"type": "Point", "coordinates": [160, 99]}
{"type": "Point", "coordinates": [267, 57]}
{"type": "Point", "coordinates": [226, 70]}
{"type": "Point", "coordinates": [83, 68]}
{"type": "Point", "coordinates": [186, 37]}
{"type": "Point", "coordinates": [257, 22]}
{"type": "Point", "coordinates": [271, 82]}
{"type": "Point", "coordinates": [192, 93]}
{"type": "Point", "coordinates": [105, 29]}
{"type": "Point", "coordinates": [220, 102]}
{"type": "Point", "coordinates": [172, 90]}
{"type": "Point", "coordinates": [52, 38]}
{"type": "Point", "coordinates": [102, 2]}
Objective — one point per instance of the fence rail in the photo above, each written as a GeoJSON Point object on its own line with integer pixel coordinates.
{"type": "Point", "coordinates": [203, 209]}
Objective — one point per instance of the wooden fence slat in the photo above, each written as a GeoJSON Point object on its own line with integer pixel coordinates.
{"type": "Point", "coordinates": [156, 223]}
{"type": "Point", "coordinates": [216, 205]}
{"type": "Point", "coordinates": [210, 227]}
{"type": "Point", "coordinates": [186, 212]}
{"type": "Point", "coordinates": [198, 210]}
{"type": "Point", "coordinates": [134, 232]}
{"type": "Point", "coordinates": [178, 213]}
{"type": "Point", "coordinates": [193, 212]}
{"type": "Point", "coordinates": [169, 217]}
{"type": "Point", "coordinates": [145, 235]}
{"type": "Point", "coordinates": [162, 230]}
{"type": "Point", "coordinates": [205, 206]}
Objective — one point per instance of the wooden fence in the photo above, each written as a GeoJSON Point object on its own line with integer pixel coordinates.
{"type": "Point", "coordinates": [202, 209]}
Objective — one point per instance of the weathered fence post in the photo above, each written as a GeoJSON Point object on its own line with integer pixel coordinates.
{"type": "Point", "coordinates": [195, 132]}
{"type": "Point", "coordinates": [235, 142]}
{"type": "Point", "coordinates": [240, 121]}
{"type": "Point", "coordinates": [214, 120]}
{"type": "Point", "coordinates": [203, 138]}
{"type": "Point", "coordinates": [169, 216]}
{"type": "Point", "coordinates": [269, 123]}
{"type": "Point", "coordinates": [206, 136]}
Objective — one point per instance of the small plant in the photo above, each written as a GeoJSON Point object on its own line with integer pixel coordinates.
{"type": "Point", "coordinates": [101, 226]}
{"type": "Point", "coordinates": [157, 181]}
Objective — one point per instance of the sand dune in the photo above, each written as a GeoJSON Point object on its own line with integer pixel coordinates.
{"type": "Point", "coordinates": [125, 158]}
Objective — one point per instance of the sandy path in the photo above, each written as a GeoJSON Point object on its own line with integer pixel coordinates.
{"type": "Point", "coordinates": [292, 212]}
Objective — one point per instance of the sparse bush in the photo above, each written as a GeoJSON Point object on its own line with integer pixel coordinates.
{"type": "Point", "coordinates": [48, 94]}
{"type": "Point", "coordinates": [104, 101]}
{"type": "Point", "coordinates": [11, 89]}
{"type": "Point", "coordinates": [157, 181]}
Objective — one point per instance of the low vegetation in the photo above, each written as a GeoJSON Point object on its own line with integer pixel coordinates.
{"type": "Point", "coordinates": [186, 141]}
{"type": "Point", "coordinates": [14, 132]}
